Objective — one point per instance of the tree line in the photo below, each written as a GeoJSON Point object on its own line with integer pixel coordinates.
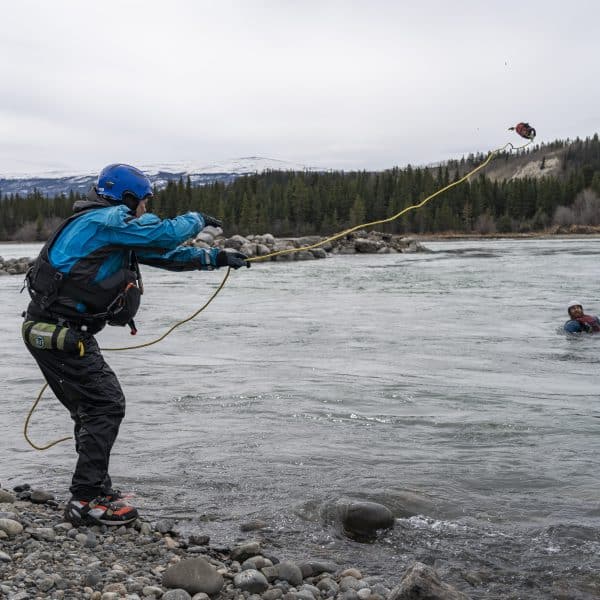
{"type": "Point", "coordinates": [306, 203]}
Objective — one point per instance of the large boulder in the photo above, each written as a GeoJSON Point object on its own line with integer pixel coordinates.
{"type": "Point", "coordinates": [362, 521]}
{"type": "Point", "coordinates": [236, 242]}
{"type": "Point", "coordinates": [367, 246]}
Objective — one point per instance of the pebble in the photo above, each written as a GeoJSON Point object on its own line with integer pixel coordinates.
{"type": "Point", "coordinates": [42, 557]}
{"type": "Point", "coordinates": [6, 497]}
{"type": "Point", "coordinates": [252, 581]}
{"type": "Point", "coordinates": [40, 497]}
{"type": "Point", "coordinates": [11, 527]}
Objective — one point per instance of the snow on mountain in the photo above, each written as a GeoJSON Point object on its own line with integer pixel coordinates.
{"type": "Point", "coordinates": [54, 182]}
{"type": "Point", "coordinates": [239, 166]}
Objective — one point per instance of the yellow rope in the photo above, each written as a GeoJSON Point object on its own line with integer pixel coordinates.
{"type": "Point", "coordinates": [398, 214]}
{"type": "Point", "coordinates": [164, 335]}
{"type": "Point", "coordinates": [277, 253]}
{"type": "Point", "coordinates": [29, 418]}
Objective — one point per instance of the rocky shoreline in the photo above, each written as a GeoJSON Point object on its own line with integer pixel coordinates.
{"type": "Point", "coordinates": [44, 557]}
{"type": "Point", "coordinates": [359, 242]}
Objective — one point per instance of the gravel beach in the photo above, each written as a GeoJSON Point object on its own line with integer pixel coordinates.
{"type": "Point", "coordinates": [44, 557]}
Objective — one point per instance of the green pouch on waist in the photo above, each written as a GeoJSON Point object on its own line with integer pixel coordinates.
{"type": "Point", "coordinates": [50, 336]}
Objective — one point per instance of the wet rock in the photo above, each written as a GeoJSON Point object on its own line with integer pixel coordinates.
{"type": "Point", "coordinates": [43, 533]}
{"type": "Point", "coordinates": [117, 588]}
{"type": "Point", "coordinates": [152, 591]}
{"type": "Point", "coordinates": [329, 587]}
{"type": "Point", "coordinates": [272, 594]}
{"type": "Point", "coordinates": [213, 231]}
{"type": "Point", "coordinates": [92, 579]}
{"type": "Point", "coordinates": [10, 527]}
{"type": "Point", "coordinates": [193, 575]}
{"type": "Point", "coordinates": [40, 496]}
{"type": "Point", "coordinates": [256, 562]}
{"type": "Point", "coordinates": [310, 568]}
{"type": "Point", "coordinates": [199, 540]}
{"type": "Point", "coordinates": [351, 573]}
{"type": "Point", "coordinates": [366, 246]}
{"type": "Point", "coordinates": [421, 582]}
{"type": "Point", "coordinates": [145, 529]}
{"type": "Point", "coordinates": [318, 252]}
{"type": "Point", "coordinates": [176, 595]}
{"type": "Point", "coordinates": [253, 525]}
{"type": "Point", "coordinates": [351, 583]}
{"type": "Point", "coordinates": [4, 514]}
{"type": "Point", "coordinates": [164, 525]}
{"type": "Point", "coordinates": [205, 237]}
{"type": "Point", "coordinates": [362, 521]}
{"type": "Point", "coordinates": [4, 557]}
{"type": "Point", "coordinates": [285, 570]}
{"type": "Point", "coordinates": [236, 242]}
{"type": "Point", "coordinates": [252, 581]}
{"type": "Point", "coordinates": [244, 551]}
{"type": "Point", "coordinates": [300, 248]}
{"type": "Point", "coordinates": [6, 497]}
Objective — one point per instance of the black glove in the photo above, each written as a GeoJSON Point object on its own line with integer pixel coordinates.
{"type": "Point", "coordinates": [208, 220]}
{"type": "Point", "coordinates": [235, 260]}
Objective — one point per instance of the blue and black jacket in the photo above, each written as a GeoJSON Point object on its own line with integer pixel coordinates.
{"type": "Point", "coordinates": [92, 259]}
{"type": "Point", "coordinates": [584, 324]}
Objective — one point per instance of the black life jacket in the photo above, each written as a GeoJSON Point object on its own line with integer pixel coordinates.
{"type": "Point", "coordinates": [60, 296]}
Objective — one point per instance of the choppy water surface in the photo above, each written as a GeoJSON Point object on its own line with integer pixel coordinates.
{"type": "Point", "coordinates": [436, 384]}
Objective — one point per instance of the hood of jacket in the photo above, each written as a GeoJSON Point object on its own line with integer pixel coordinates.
{"type": "Point", "coordinates": [92, 201]}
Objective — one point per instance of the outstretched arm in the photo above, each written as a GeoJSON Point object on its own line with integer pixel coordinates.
{"type": "Point", "coordinates": [182, 258]}
{"type": "Point", "coordinates": [148, 231]}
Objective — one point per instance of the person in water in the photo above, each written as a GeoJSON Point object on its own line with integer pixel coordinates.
{"type": "Point", "coordinates": [579, 322]}
{"type": "Point", "coordinates": [86, 276]}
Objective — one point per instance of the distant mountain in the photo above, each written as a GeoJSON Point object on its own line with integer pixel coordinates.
{"type": "Point", "coordinates": [53, 183]}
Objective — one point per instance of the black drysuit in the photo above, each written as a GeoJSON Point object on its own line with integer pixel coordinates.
{"type": "Point", "coordinates": [91, 256]}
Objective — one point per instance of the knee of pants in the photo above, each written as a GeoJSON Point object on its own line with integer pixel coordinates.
{"type": "Point", "coordinates": [110, 408]}
{"type": "Point", "coordinates": [98, 430]}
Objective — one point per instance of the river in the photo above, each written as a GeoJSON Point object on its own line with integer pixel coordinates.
{"type": "Point", "coordinates": [438, 384]}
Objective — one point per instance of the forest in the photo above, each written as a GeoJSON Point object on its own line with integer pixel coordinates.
{"type": "Point", "coordinates": [289, 204]}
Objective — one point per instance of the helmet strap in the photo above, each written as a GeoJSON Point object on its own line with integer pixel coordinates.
{"type": "Point", "coordinates": [130, 201]}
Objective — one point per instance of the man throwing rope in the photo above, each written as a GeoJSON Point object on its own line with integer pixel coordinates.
{"type": "Point", "coordinates": [86, 276]}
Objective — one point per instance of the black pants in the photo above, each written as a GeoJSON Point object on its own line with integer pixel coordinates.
{"type": "Point", "coordinates": [91, 392]}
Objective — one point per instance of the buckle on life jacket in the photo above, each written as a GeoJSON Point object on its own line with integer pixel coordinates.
{"type": "Point", "coordinates": [124, 307]}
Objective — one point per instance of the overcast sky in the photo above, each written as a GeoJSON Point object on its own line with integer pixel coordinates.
{"type": "Point", "coordinates": [339, 84]}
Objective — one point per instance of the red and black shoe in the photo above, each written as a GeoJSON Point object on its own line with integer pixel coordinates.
{"type": "Point", "coordinates": [118, 496]}
{"type": "Point", "coordinates": [99, 510]}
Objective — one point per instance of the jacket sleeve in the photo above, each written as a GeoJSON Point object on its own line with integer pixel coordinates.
{"type": "Point", "coordinates": [182, 258]}
{"type": "Point", "coordinates": [148, 231]}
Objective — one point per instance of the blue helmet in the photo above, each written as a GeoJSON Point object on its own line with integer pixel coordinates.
{"type": "Point", "coordinates": [117, 181]}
